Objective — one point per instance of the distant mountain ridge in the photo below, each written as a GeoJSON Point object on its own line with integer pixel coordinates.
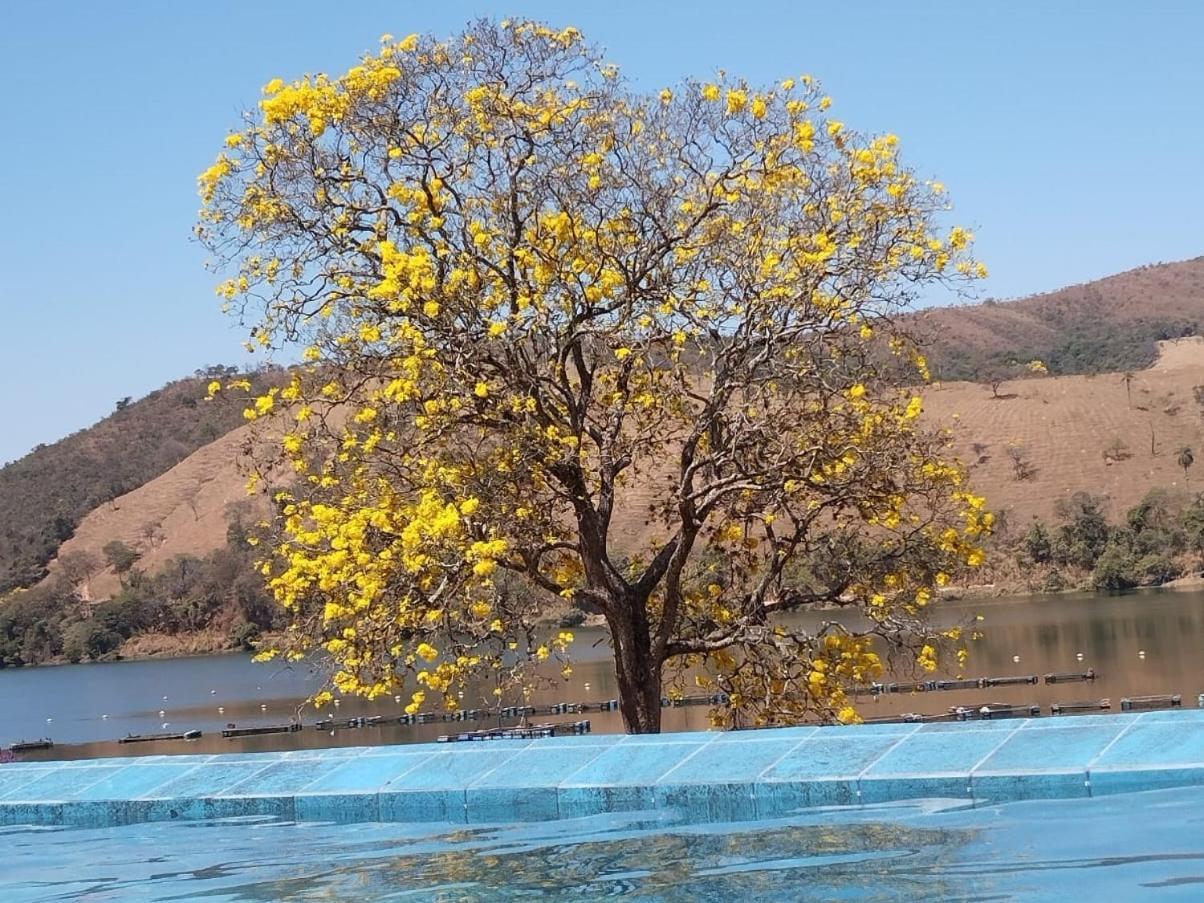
{"type": "Point", "coordinates": [1109, 325]}
{"type": "Point", "coordinates": [48, 492]}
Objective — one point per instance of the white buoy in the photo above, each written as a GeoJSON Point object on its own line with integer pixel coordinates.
{"type": "Point", "coordinates": [104, 717]}
{"type": "Point", "coordinates": [1079, 656]}
{"type": "Point", "coordinates": [1141, 653]}
{"type": "Point", "coordinates": [221, 710]}
{"type": "Point", "coordinates": [336, 702]}
{"type": "Point", "coordinates": [162, 713]}
{"type": "Point", "coordinates": [263, 708]}
{"type": "Point", "coordinates": [397, 699]}
{"type": "Point", "coordinates": [165, 699]}
{"type": "Point", "coordinates": [166, 725]}
{"type": "Point", "coordinates": [213, 692]}
{"type": "Point", "coordinates": [1016, 659]}
{"type": "Point", "coordinates": [49, 720]}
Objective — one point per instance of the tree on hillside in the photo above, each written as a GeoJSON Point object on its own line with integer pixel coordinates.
{"type": "Point", "coordinates": [1037, 543]}
{"type": "Point", "coordinates": [1186, 459]}
{"type": "Point", "coordinates": [541, 309]}
{"type": "Point", "coordinates": [995, 375]}
{"type": "Point", "coordinates": [78, 567]}
{"type": "Point", "coordinates": [119, 556]}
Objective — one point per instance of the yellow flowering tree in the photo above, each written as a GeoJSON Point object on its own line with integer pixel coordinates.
{"type": "Point", "coordinates": [567, 341]}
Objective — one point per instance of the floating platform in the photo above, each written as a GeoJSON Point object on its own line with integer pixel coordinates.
{"type": "Point", "coordinates": [991, 710]}
{"type": "Point", "coordinates": [1141, 703]}
{"type": "Point", "coordinates": [1078, 708]}
{"type": "Point", "coordinates": [534, 732]}
{"type": "Point", "coordinates": [1065, 677]}
{"type": "Point", "coordinates": [151, 738]}
{"type": "Point", "coordinates": [31, 745]}
{"type": "Point", "coordinates": [232, 732]}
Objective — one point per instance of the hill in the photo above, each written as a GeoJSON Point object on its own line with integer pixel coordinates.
{"type": "Point", "coordinates": [161, 479]}
{"type": "Point", "coordinates": [46, 494]}
{"type": "Point", "coordinates": [1112, 324]}
{"type": "Point", "coordinates": [1094, 433]}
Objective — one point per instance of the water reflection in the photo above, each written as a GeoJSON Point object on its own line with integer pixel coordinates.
{"type": "Point", "coordinates": [1079, 849]}
{"type": "Point", "coordinates": [1047, 634]}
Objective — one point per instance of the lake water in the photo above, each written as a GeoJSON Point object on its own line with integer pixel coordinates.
{"type": "Point", "coordinates": [89, 706]}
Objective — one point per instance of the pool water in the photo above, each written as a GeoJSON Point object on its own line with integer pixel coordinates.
{"type": "Point", "coordinates": [1126, 847]}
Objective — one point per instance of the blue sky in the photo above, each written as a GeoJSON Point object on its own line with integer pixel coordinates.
{"type": "Point", "coordinates": [1069, 135]}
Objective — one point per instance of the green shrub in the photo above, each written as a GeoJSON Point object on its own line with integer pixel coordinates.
{"type": "Point", "coordinates": [1114, 570]}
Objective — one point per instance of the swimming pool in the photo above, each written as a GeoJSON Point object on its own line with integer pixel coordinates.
{"type": "Point", "coordinates": [1124, 847]}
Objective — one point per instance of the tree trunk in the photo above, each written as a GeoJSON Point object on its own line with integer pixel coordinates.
{"type": "Point", "coordinates": [639, 679]}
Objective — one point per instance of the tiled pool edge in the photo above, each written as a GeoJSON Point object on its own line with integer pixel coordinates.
{"type": "Point", "coordinates": [704, 776]}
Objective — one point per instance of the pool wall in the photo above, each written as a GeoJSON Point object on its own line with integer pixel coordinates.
{"type": "Point", "coordinates": [705, 776]}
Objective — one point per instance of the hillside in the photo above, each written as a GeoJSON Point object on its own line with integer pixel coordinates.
{"type": "Point", "coordinates": [1112, 324]}
{"type": "Point", "coordinates": [46, 494]}
{"type": "Point", "coordinates": [162, 478]}
{"type": "Point", "coordinates": [1061, 426]}
{"type": "Point", "coordinates": [1079, 433]}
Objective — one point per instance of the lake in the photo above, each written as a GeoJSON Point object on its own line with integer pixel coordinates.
{"type": "Point", "coordinates": [1139, 644]}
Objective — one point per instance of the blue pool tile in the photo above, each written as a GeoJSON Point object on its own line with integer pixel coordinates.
{"type": "Point", "coordinates": [503, 805]}
{"type": "Point", "coordinates": [1108, 781]}
{"type": "Point", "coordinates": [727, 763]}
{"type": "Point", "coordinates": [766, 735]}
{"type": "Point", "coordinates": [889, 729]}
{"type": "Point", "coordinates": [543, 767]}
{"type": "Point", "coordinates": [577, 740]}
{"type": "Point", "coordinates": [1181, 715]}
{"type": "Point", "coordinates": [928, 766]}
{"type": "Point", "coordinates": [833, 756]}
{"type": "Point", "coordinates": [31, 813]}
{"type": "Point", "coordinates": [1156, 743]}
{"type": "Point", "coordinates": [1033, 785]}
{"type": "Point", "coordinates": [452, 769]}
{"type": "Point", "coordinates": [712, 802]}
{"type": "Point", "coordinates": [134, 780]}
{"type": "Point", "coordinates": [334, 752]}
{"type": "Point", "coordinates": [13, 778]}
{"type": "Point", "coordinates": [1059, 749]}
{"type": "Point", "coordinates": [580, 801]}
{"type": "Point", "coordinates": [947, 753]}
{"type": "Point", "coordinates": [693, 737]}
{"type": "Point", "coordinates": [894, 788]}
{"type": "Point", "coordinates": [630, 764]}
{"type": "Point", "coordinates": [524, 788]}
{"type": "Point", "coordinates": [60, 784]}
{"type": "Point", "coordinates": [107, 813]}
{"type": "Point", "coordinates": [1000, 725]}
{"type": "Point", "coordinates": [262, 758]}
{"type": "Point", "coordinates": [340, 808]}
{"type": "Point", "coordinates": [775, 799]}
{"type": "Point", "coordinates": [283, 777]}
{"type": "Point", "coordinates": [441, 805]}
{"type": "Point", "coordinates": [206, 780]}
{"type": "Point", "coordinates": [1052, 723]}
{"type": "Point", "coordinates": [822, 770]}
{"type": "Point", "coordinates": [368, 772]}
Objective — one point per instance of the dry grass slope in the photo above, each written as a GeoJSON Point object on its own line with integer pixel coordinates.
{"type": "Point", "coordinates": [1065, 425]}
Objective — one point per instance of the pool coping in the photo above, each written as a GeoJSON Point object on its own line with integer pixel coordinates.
{"type": "Point", "coordinates": [704, 776]}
